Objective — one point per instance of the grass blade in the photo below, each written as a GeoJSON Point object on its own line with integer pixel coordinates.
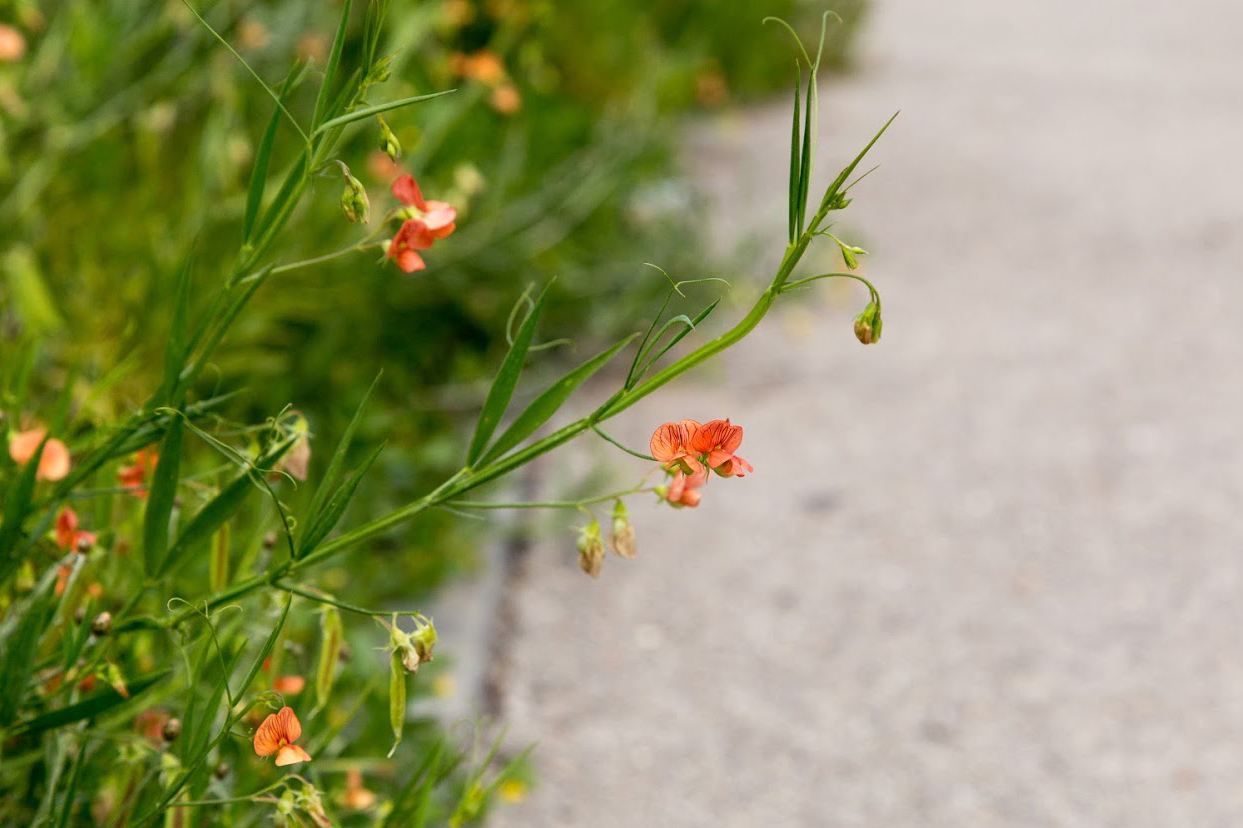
{"type": "Point", "coordinates": [830, 195]}
{"type": "Point", "coordinates": [89, 707]}
{"type": "Point", "coordinates": [266, 649]}
{"type": "Point", "coordinates": [160, 500]}
{"type": "Point", "coordinates": [334, 60]}
{"type": "Point", "coordinates": [175, 351]}
{"type": "Point", "coordinates": [506, 380]}
{"type": "Point", "coordinates": [259, 174]}
{"type": "Point", "coordinates": [22, 645]}
{"type": "Point", "coordinates": [335, 508]}
{"type": "Point", "coordinates": [547, 403]}
{"type": "Point", "coordinates": [794, 158]}
{"type": "Point", "coordinates": [329, 481]}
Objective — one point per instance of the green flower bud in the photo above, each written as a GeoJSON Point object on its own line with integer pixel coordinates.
{"type": "Point", "coordinates": [868, 324]}
{"type": "Point", "coordinates": [621, 538]}
{"type": "Point", "coordinates": [354, 202]}
{"type": "Point", "coordinates": [388, 141]}
{"type": "Point", "coordinates": [591, 549]}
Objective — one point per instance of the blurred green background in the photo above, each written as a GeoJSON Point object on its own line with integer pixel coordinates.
{"type": "Point", "coordinates": [127, 134]}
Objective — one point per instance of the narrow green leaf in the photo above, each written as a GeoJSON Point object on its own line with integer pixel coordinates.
{"type": "Point", "coordinates": [548, 403]}
{"type": "Point", "coordinates": [804, 175]}
{"type": "Point", "coordinates": [335, 508]}
{"type": "Point", "coordinates": [831, 193]}
{"type": "Point", "coordinates": [89, 707]}
{"type": "Point", "coordinates": [207, 521]}
{"type": "Point", "coordinates": [337, 463]}
{"type": "Point", "coordinates": [367, 112]}
{"type": "Point", "coordinates": [20, 648]}
{"type": "Point", "coordinates": [71, 791]}
{"type": "Point", "coordinates": [16, 507]}
{"type": "Point", "coordinates": [266, 650]}
{"type": "Point", "coordinates": [506, 380]}
{"type": "Point", "coordinates": [334, 60]}
{"type": "Point", "coordinates": [686, 329]}
{"type": "Point", "coordinates": [794, 158]}
{"type": "Point", "coordinates": [263, 157]}
{"type": "Point", "coordinates": [160, 499]}
{"type": "Point", "coordinates": [175, 350]}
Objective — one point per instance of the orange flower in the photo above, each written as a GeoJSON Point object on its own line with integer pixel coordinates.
{"type": "Point", "coordinates": [670, 445]}
{"type": "Point", "coordinates": [53, 463]}
{"type": "Point", "coordinates": [68, 535]}
{"type": "Point", "coordinates": [356, 796]}
{"type": "Point", "coordinates": [437, 220]}
{"type": "Point", "coordinates": [719, 440]}
{"type": "Point", "coordinates": [277, 735]}
{"type": "Point", "coordinates": [134, 476]}
{"type": "Point", "coordinates": [289, 685]}
{"type": "Point", "coordinates": [684, 489]}
{"type": "Point", "coordinates": [12, 44]}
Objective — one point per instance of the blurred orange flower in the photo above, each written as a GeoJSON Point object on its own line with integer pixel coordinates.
{"type": "Point", "coordinates": [53, 463]}
{"type": "Point", "coordinates": [356, 796]}
{"type": "Point", "coordinates": [12, 44]}
{"type": "Point", "coordinates": [277, 735]}
{"type": "Point", "coordinates": [68, 535]}
{"type": "Point", "coordinates": [289, 685]}
{"type": "Point", "coordinates": [134, 476]}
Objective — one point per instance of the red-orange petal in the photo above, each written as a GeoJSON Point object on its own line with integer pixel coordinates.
{"type": "Point", "coordinates": [267, 737]}
{"type": "Point", "coordinates": [667, 442]}
{"type": "Point", "coordinates": [717, 434]}
{"type": "Point", "coordinates": [54, 464]}
{"type": "Point", "coordinates": [291, 754]}
{"type": "Point", "coordinates": [66, 528]}
{"type": "Point", "coordinates": [406, 190]}
{"type": "Point", "coordinates": [291, 728]}
{"type": "Point", "coordinates": [289, 685]}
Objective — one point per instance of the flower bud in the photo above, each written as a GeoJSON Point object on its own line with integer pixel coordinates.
{"type": "Point", "coordinates": [171, 730]}
{"type": "Point", "coordinates": [221, 770]}
{"type": "Point", "coordinates": [388, 141]}
{"type": "Point", "coordinates": [621, 538]}
{"type": "Point", "coordinates": [591, 549]}
{"type": "Point", "coordinates": [102, 625]}
{"type": "Point", "coordinates": [269, 541]}
{"type": "Point", "coordinates": [354, 201]}
{"type": "Point", "coordinates": [868, 324]}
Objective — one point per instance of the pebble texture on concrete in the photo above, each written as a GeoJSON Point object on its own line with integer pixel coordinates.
{"type": "Point", "coordinates": [989, 572]}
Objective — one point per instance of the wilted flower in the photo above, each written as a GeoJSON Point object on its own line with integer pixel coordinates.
{"type": "Point", "coordinates": [53, 463]}
{"type": "Point", "coordinates": [68, 535]}
{"type": "Point", "coordinates": [277, 735]}
{"type": "Point", "coordinates": [621, 538]}
{"type": "Point", "coordinates": [591, 549]}
{"type": "Point", "coordinates": [296, 462]}
{"type": "Point", "coordinates": [414, 648]}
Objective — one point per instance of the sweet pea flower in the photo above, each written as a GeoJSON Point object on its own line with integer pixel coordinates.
{"type": "Point", "coordinates": [670, 445]}
{"type": "Point", "coordinates": [134, 476]}
{"type": "Point", "coordinates": [12, 44]}
{"type": "Point", "coordinates": [719, 440]}
{"type": "Point", "coordinates": [68, 535]}
{"type": "Point", "coordinates": [53, 463]}
{"type": "Point", "coordinates": [289, 685]}
{"type": "Point", "coordinates": [277, 735]}
{"type": "Point", "coordinates": [683, 490]}
{"type": "Point", "coordinates": [436, 220]}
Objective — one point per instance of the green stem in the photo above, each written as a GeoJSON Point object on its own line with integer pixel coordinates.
{"type": "Point", "coordinates": [545, 504]}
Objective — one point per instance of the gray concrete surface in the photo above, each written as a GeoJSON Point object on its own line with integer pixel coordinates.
{"type": "Point", "coordinates": [990, 572]}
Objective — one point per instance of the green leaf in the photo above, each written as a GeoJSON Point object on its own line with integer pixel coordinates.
{"type": "Point", "coordinates": [335, 465]}
{"type": "Point", "coordinates": [266, 651]}
{"type": "Point", "coordinates": [259, 174]}
{"type": "Point", "coordinates": [831, 193]}
{"type": "Point", "coordinates": [506, 380]}
{"type": "Point", "coordinates": [89, 707]}
{"type": "Point", "coordinates": [547, 403]}
{"type": "Point", "coordinates": [160, 500]}
{"type": "Point", "coordinates": [16, 507]}
{"type": "Point", "coordinates": [367, 112]}
{"type": "Point", "coordinates": [21, 647]}
{"type": "Point", "coordinates": [335, 508]}
{"type": "Point", "coordinates": [794, 159]}
{"type": "Point", "coordinates": [175, 350]}
{"type": "Point", "coordinates": [208, 520]}
{"type": "Point", "coordinates": [688, 325]}
{"type": "Point", "coordinates": [805, 165]}
{"type": "Point", "coordinates": [334, 60]}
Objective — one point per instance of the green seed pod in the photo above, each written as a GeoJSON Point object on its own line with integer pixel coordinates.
{"type": "Point", "coordinates": [396, 698]}
{"type": "Point", "coordinates": [220, 559]}
{"type": "Point", "coordinates": [868, 324]}
{"type": "Point", "coordinates": [621, 538]}
{"type": "Point", "coordinates": [331, 637]}
{"type": "Point", "coordinates": [388, 141]}
{"type": "Point", "coordinates": [354, 202]}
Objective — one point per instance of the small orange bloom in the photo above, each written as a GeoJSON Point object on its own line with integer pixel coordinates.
{"type": "Point", "coordinates": [356, 796]}
{"type": "Point", "coordinates": [289, 685]}
{"type": "Point", "coordinates": [53, 463]}
{"type": "Point", "coordinates": [437, 221]}
{"type": "Point", "coordinates": [68, 535]}
{"type": "Point", "coordinates": [684, 488]}
{"type": "Point", "coordinates": [719, 440]}
{"type": "Point", "coordinates": [12, 44]}
{"type": "Point", "coordinates": [670, 444]}
{"type": "Point", "coordinates": [134, 477]}
{"type": "Point", "coordinates": [277, 735]}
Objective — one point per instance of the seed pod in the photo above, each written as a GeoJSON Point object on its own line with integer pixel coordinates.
{"type": "Point", "coordinates": [355, 206]}
{"type": "Point", "coordinates": [396, 698]}
{"type": "Point", "coordinates": [220, 559]}
{"type": "Point", "coordinates": [329, 652]}
{"type": "Point", "coordinates": [388, 141]}
{"type": "Point", "coordinates": [171, 730]}
{"type": "Point", "coordinates": [868, 324]}
{"type": "Point", "coordinates": [591, 549]}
